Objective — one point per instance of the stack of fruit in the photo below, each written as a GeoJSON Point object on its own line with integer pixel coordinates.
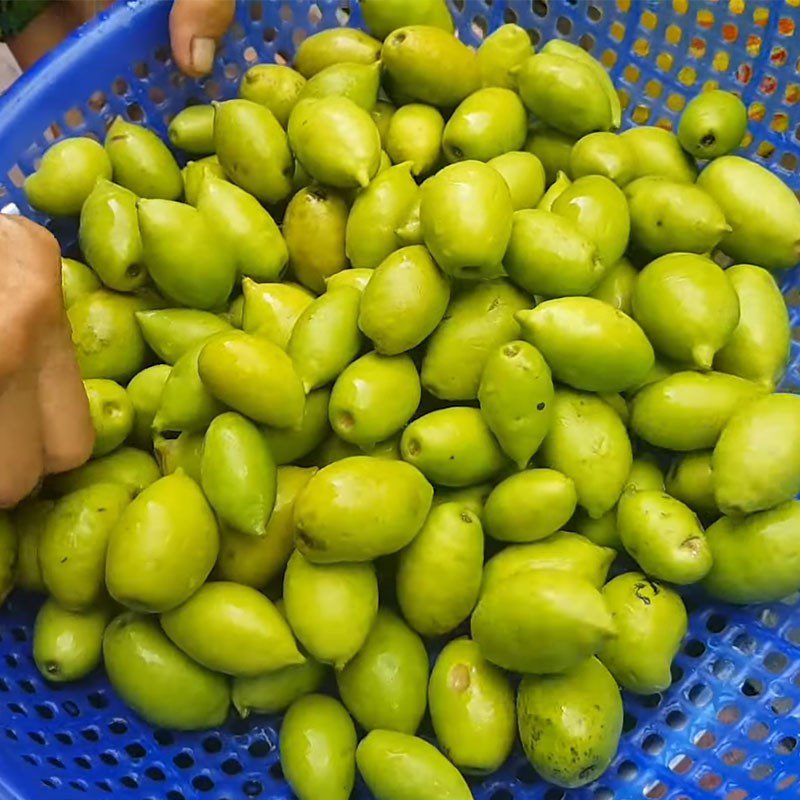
{"type": "Point", "coordinates": [500, 322]}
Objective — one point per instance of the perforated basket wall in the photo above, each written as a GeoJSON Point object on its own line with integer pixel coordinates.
{"type": "Point", "coordinates": [729, 726]}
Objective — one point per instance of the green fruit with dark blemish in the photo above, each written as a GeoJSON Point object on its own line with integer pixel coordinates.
{"type": "Point", "coordinates": [570, 724]}
{"type": "Point", "coordinates": [713, 124]}
{"type": "Point", "coordinates": [360, 508]}
{"type": "Point", "coordinates": [109, 237]}
{"type": "Point", "coordinates": [141, 162]}
{"type": "Point", "coordinates": [616, 286]}
{"type": "Point", "coordinates": [687, 307]}
{"type": "Point", "coordinates": [439, 573]}
{"type": "Point", "coordinates": [663, 536]}
{"type": "Point", "coordinates": [529, 506]}
{"type": "Point", "coordinates": [157, 680]}
{"type": "Point", "coordinates": [651, 622]}
{"type": "Point", "coordinates": [253, 149]}
{"type": "Point", "coordinates": [515, 396]}
{"type": "Point", "coordinates": [472, 708]}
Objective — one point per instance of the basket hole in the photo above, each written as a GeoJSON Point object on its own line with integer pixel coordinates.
{"type": "Point", "coordinates": [761, 771]}
{"type": "Point", "coordinates": [135, 113]}
{"type": "Point", "coordinates": [655, 791]}
{"type": "Point", "coordinates": [536, 36]}
{"type": "Point", "coordinates": [752, 687]}
{"type": "Point", "coordinates": [270, 34]}
{"type": "Point", "coordinates": [51, 783]}
{"type": "Point", "coordinates": [757, 732]}
{"type": "Point", "coordinates": [164, 738]}
{"type": "Point", "coordinates": [781, 705]}
{"type": "Point", "coordinates": [539, 8]}
{"type": "Point", "coordinates": [276, 771]}
{"type": "Point", "coordinates": [564, 26]}
{"type": "Point", "coordinates": [141, 70]}
{"type": "Point", "coordinates": [231, 767]}
{"type": "Point", "coordinates": [118, 726]}
{"type": "Point", "coordinates": [676, 720]}
{"type": "Point", "coordinates": [480, 27]}
{"type": "Point", "coordinates": [80, 786]}
{"type": "Point", "coordinates": [314, 15]}
{"type": "Point", "coordinates": [627, 771]}
{"type": "Point", "coordinates": [91, 734]}
{"type": "Point", "coordinates": [16, 708]}
{"type": "Point", "coordinates": [629, 722]}
{"type": "Point", "coordinates": [653, 744]}
{"type": "Point", "coordinates": [260, 748]}
{"type": "Point", "coordinates": [694, 648]}
{"type": "Point", "coordinates": [104, 786]}
{"type": "Point", "coordinates": [282, 58]}
{"type": "Point", "coordinates": [203, 783]}
{"type": "Point", "coordinates": [501, 794]}
{"type": "Point", "coordinates": [680, 764]}
{"type": "Point", "coordinates": [55, 762]}
{"type": "Point", "coordinates": [174, 794]}
{"type": "Point", "coordinates": [786, 746]}
{"type": "Point", "coordinates": [252, 788]}
{"type": "Point", "coordinates": [527, 774]}
{"type": "Point", "coordinates": [510, 16]}
{"type": "Point", "coordinates": [700, 695]}
{"type": "Point", "coordinates": [789, 162]}
{"type": "Point", "coordinates": [722, 668]}
{"type": "Point", "coordinates": [595, 13]}
{"type": "Point", "coordinates": [157, 95]}
{"type": "Point", "coordinates": [129, 781]}
{"type": "Point", "coordinates": [29, 758]}
{"type": "Point", "coordinates": [64, 738]}
{"type": "Point", "coordinates": [250, 55]}
{"type": "Point", "coordinates": [710, 782]}
{"type": "Point", "coordinates": [11, 734]}
{"type": "Point", "coordinates": [162, 54]}
{"type": "Point", "coordinates": [155, 774]}
{"type": "Point", "coordinates": [255, 10]}
{"type": "Point", "coordinates": [554, 794]}
{"type": "Point", "coordinates": [183, 760]}
{"type": "Point", "coordinates": [45, 710]}
{"type": "Point", "coordinates": [587, 42]}
{"type": "Point", "coordinates": [676, 671]}
{"type": "Point", "coordinates": [17, 178]}
{"type": "Point", "coordinates": [213, 90]}
{"type": "Point", "coordinates": [705, 740]}
{"type": "Point", "coordinates": [37, 738]}
{"type": "Point", "coordinates": [120, 87]}
{"type": "Point", "coordinates": [71, 708]}
{"type": "Point", "coordinates": [651, 700]}
{"type": "Point", "coordinates": [343, 15]}
{"type": "Point", "coordinates": [27, 687]}
{"type": "Point", "coordinates": [109, 758]}
{"type": "Point", "coordinates": [135, 750]}
{"type": "Point", "coordinates": [212, 744]}
{"type": "Point", "coordinates": [232, 71]}
{"type": "Point", "coordinates": [745, 644]}
{"type": "Point", "coordinates": [729, 715]}
{"type": "Point", "coordinates": [83, 762]}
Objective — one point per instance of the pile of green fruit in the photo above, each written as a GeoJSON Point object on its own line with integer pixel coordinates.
{"type": "Point", "coordinates": [483, 345]}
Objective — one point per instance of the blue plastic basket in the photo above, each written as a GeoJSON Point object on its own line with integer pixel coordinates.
{"type": "Point", "coordinates": [729, 726]}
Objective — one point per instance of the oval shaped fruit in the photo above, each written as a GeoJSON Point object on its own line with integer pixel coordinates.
{"type": "Point", "coordinates": [430, 65]}
{"type": "Point", "coordinates": [376, 214]}
{"type": "Point", "coordinates": [318, 749]}
{"type": "Point", "coordinates": [314, 227]}
{"type": "Point", "coordinates": [335, 46]}
{"type": "Point", "coordinates": [670, 216]}
{"type": "Point", "coordinates": [326, 337]}
{"type": "Point", "coordinates": [67, 175]}
{"type": "Point", "coordinates": [144, 393]}
{"type": "Point", "coordinates": [289, 444]}
{"type": "Point", "coordinates": [524, 174]}
{"type": "Point", "coordinates": [515, 395]}
{"type": "Point", "coordinates": [501, 54]}
{"type": "Point", "coordinates": [170, 332]}
{"type": "Point", "coordinates": [651, 622]}
{"type": "Point", "coordinates": [356, 82]}
{"type": "Point", "coordinates": [330, 607]}
{"type": "Point", "coordinates": [195, 173]}
{"type": "Point", "coordinates": [29, 520]}
{"type": "Point", "coordinates": [253, 149]}
{"type": "Point", "coordinates": [382, 114]}
{"type": "Point", "coordinates": [663, 536]}
{"type": "Point", "coordinates": [386, 685]}
{"type": "Point", "coordinates": [756, 461]}
{"type": "Point", "coordinates": [588, 443]}
{"type": "Point", "coordinates": [256, 560]}
{"type": "Point", "coordinates": [540, 621]}
{"type": "Point", "coordinates": [141, 162]}
{"type": "Point", "coordinates": [472, 708]}
{"type": "Point", "coordinates": [163, 546]}
{"type": "Point", "coordinates": [415, 136]}
{"type": "Point", "coordinates": [570, 724]}
{"type": "Point", "coordinates": [404, 301]}
{"type": "Point", "coordinates": [192, 130]}
{"type": "Point", "coordinates": [603, 153]}
{"type": "Point", "coordinates": [439, 573]}
{"type": "Point", "coordinates": [529, 506]}
{"type": "Point", "coordinates": [488, 123]}
{"type": "Point", "coordinates": [232, 629]}
{"type": "Point", "coordinates": [553, 149]}
{"type": "Point", "coordinates": [67, 645]}
{"type": "Point", "coordinates": [465, 213]}
{"type": "Point", "coordinates": [77, 280]}
{"type": "Point", "coordinates": [691, 480]}
{"type": "Point", "coordinates": [561, 552]}
{"type": "Point", "coordinates": [251, 234]}
{"type": "Point", "coordinates": [132, 468]}
{"type": "Point", "coordinates": [555, 190]}
{"type": "Point", "coordinates": [359, 508]}
{"type": "Point", "coordinates": [357, 277]}
{"type": "Point", "coordinates": [335, 140]}
{"type": "Point", "coordinates": [616, 286]}
{"type": "Point", "coordinates": [756, 559]}
{"type": "Point", "coordinates": [184, 452]}
{"type": "Point", "coordinates": [107, 340]}
{"type": "Point", "coordinates": [272, 309]}
{"type": "Point", "coordinates": [253, 376]}
{"type": "Point", "coordinates": [276, 86]}
{"type": "Point", "coordinates": [645, 474]}
{"type": "Point", "coordinates": [599, 208]}
{"type": "Point", "coordinates": [452, 447]}
{"type": "Point", "coordinates": [111, 413]}
{"type": "Point", "coordinates": [589, 344]}
{"type": "Point", "coordinates": [384, 16]}
{"type": "Point", "coordinates": [185, 258]}
{"type": "Point", "coordinates": [72, 546]}
{"type": "Point", "coordinates": [478, 319]}
{"type": "Point", "coordinates": [686, 306]}
{"type": "Point", "coordinates": [373, 398]}
{"type": "Point", "coordinates": [601, 531]}
{"type": "Point", "coordinates": [565, 94]}
{"type": "Point", "coordinates": [238, 474]}
{"type": "Point", "coordinates": [109, 236]}
{"type": "Point", "coordinates": [688, 410]}
{"type": "Point", "coordinates": [713, 124]}
{"type": "Point", "coordinates": [547, 255]}
{"type": "Point", "coordinates": [472, 498]}
{"type": "Point", "coordinates": [657, 151]}
{"type": "Point", "coordinates": [758, 348]}
{"type": "Point", "coordinates": [157, 680]}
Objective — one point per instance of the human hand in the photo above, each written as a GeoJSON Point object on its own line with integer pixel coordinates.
{"type": "Point", "coordinates": [195, 28]}
{"type": "Point", "coordinates": [44, 414]}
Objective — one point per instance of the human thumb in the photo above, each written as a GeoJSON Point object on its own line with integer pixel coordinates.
{"type": "Point", "coordinates": [195, 27]}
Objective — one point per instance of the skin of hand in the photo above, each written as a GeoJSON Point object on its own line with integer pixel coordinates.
{"type": "Point", "coordinates": [195, 28]}
{"type": "Point", "coordinates": [44, 414]}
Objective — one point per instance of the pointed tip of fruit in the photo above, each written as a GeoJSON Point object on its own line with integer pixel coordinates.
{"type": "Point", "coordinates": [703, 356]}
{"type": "Point", "coordinates": [362, 177]}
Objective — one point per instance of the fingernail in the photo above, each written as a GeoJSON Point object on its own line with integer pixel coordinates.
{"type": "Point", "coordinates": [203, 51]}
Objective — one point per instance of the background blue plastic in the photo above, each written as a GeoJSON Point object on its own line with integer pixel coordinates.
{"type": "Point", "coordinates": [729, 725]}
